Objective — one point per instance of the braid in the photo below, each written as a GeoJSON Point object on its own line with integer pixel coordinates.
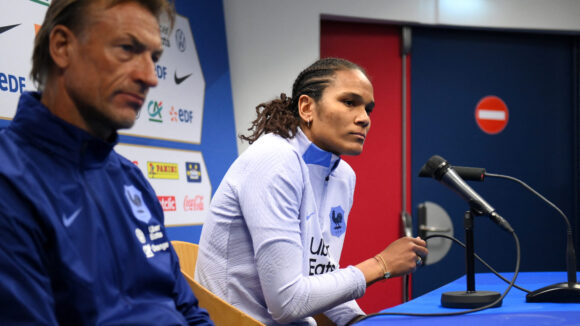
{"type": "Point", "coordinates": [280, 116]}
{"type": "Point", "coordinates": [274, 116]}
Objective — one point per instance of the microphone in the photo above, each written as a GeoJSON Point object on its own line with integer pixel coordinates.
{"type": "Point", "coordinates": [465, 172]}
{"type": "Point", "coordinates": [470, 173]}
{"type": "Point", "coordinates": [560, 292]}
{"type": "Point", "coordinates": [438, 168]}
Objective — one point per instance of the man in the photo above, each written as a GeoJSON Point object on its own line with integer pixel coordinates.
{"type": "Point", "coordinates": [82, 240]}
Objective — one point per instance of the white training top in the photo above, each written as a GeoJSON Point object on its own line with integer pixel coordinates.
{"type": "Point", "coordinates": [272, 240]}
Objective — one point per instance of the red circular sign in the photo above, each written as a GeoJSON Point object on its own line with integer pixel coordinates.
{"type": "Point", "coordinates": [491, 114]}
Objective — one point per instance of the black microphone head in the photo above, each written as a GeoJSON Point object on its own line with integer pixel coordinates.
{"type": "Point", "coordinates": [435, 167]}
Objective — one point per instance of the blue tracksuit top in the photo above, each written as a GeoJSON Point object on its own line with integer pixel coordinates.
{"type": "Point", "coordinates": [82, 240]}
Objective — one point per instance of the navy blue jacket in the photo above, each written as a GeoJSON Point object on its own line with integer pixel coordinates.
{"type": "Point", "coordinates": [82, 240]}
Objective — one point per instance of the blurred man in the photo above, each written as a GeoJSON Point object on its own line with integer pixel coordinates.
{"type": "Point", "coordinates": [82, 240]}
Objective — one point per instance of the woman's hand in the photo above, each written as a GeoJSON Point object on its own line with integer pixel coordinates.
{"type": "Point", "coordinates": [404, 255]}
{"type": "Point", "coordinates": [401, 257]}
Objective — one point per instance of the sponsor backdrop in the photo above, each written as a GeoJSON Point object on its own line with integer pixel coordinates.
{"type": "Point", "coordinates": [184, 138]}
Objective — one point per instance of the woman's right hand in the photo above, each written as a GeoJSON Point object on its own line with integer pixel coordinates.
{"type": "Point", "coordinates": [399, 258]}
{"type": "Point", "coordinates": [402, 255]}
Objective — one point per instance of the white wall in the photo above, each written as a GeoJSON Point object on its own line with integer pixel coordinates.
{"type": "Point", "coordinates": [271, 41]}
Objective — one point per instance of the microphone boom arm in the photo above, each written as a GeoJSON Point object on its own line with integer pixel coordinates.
{"type": "Point", "coordinates": [570, 251]}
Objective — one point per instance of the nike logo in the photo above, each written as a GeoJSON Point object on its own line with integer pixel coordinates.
{"type": "Point", "coordinates": [7, 28]}
{"type": "Point", "coordinates": [69, 220]}
{"type": "Point", "coordinates": [179, 80]}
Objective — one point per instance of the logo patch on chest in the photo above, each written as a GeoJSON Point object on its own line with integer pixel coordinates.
{"type": "Point", "coordinates": [135, 199]}
{"type": "Point", "coordinates": [337, 224]}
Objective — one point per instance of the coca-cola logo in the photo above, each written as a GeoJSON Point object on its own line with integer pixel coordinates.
{"type": "Point", "coordinates": [193, 204]}
{"type": "Point", "coordinates": [168, 203]}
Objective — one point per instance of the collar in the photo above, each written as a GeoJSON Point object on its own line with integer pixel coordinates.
{"type": "Point", "coordinates": [34, 122]}
{"type": "Point", "coordinates": [312, 154]}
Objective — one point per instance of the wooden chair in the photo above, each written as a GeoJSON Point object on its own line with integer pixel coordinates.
{"type": "Point", "coordinates": [221, 312]}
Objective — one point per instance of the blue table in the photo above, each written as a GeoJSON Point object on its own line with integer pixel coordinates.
{"type": "Point", "coordinates": [514, 310]}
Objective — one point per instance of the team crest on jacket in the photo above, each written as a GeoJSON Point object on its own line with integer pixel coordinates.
{"type": "Point", "coordinates": [135, 199]}
{"type": "Point", "coordinates": [337, 225]}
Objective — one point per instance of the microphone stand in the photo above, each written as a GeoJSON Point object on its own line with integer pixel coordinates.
{"type": "Point", "coordinates": [469, 298]}
{"type": "Point", "coordinates": [560, 292]}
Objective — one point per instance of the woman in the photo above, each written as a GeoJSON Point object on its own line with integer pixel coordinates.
{"type": "Point", "coordinates": [272, 241]}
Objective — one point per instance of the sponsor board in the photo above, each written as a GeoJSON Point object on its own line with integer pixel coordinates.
{"type": "Point", "coordinates": [181, 84]}
{"type": "Point", "coordinates": [17, 31]}
{"type": "Point", "coordinates": [168, 203]}
{"type": "Point", "coordinates": [193, 171]}
{"type": "Point", "coordinates": [162, 170]}
{"type": "Point", "coordinates": [12, 83]}
{"type": "Point", "coordinates": [193, 203]}
{"type": "Point", "coordinates": [183, 201]}
{"type": "Point", "coordinates": [174, 109]}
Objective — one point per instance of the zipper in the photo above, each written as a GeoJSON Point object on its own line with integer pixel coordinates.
{"type": "Point", "coordinates": [107, 228]}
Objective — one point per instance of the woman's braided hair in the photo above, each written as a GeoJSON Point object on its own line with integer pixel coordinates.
{"type": "Point", "coordinates": [280, 116]}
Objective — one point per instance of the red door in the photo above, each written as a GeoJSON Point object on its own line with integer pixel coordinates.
{"type": "Point", "coordinates": [374, 221]}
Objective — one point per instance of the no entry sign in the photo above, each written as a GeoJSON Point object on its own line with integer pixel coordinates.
{"type": "Point", "coordinates": [491, 114]}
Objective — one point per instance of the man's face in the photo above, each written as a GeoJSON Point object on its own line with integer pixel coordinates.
{"type": "Point", "coordinates": [112, 66]}
{"type": "Point", "coordinates": [341, 119]}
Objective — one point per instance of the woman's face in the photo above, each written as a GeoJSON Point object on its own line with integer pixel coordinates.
{"type": "Point", "coordinates": [340, 119]}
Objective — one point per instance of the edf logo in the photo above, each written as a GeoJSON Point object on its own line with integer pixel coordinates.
{"type": "Point", "coordinates": [11, 83]}
{"type": "Point", "coordinates": [161, 71]}
{"type": "Point", "coordinates": [183, 115]}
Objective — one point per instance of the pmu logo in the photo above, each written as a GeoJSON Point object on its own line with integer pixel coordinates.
{"type": "Point", "coordinates": [181, 115]}
{"type": "Point", "coordinates": [154, 109]}
{"type": "Point", "coordinates": [180, 39]}
{"type": "Point", "coordinates": [193, 204]}
{"type": "Point", "coordinates": [337, 225]}
{"type": "Point", "coordinates": [193, 172]}
{"type": "Point", "coordinates": [11, 83]}
{"type": "Point", "coordinates": [162, 170]}
{"type": "Point", "coordinates": [168, 203]}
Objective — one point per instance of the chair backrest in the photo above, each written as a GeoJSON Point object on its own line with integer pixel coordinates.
{"type": "Point", "coordinates": [221, 312]}
{"type": "Point", "coordinates": [187, 253]}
